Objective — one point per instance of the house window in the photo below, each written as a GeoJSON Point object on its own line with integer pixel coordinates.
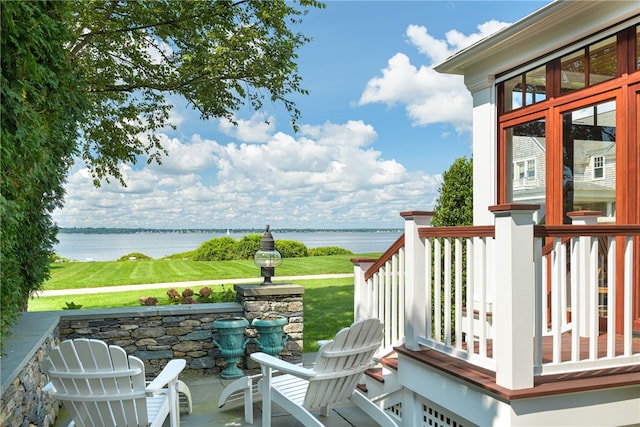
{"type": "Point", "coordinates": [588, 131]}
{"type": "Point", "coordinates": [525, 170]}
{"type": "Point", "coordinates": [525, 153]}
{"type": "Point", "coordinates": [598, 167]}
{"type": "Point", "coordinates": [526, 88]}
{"type": "Point", "coordinates": [587, 66]}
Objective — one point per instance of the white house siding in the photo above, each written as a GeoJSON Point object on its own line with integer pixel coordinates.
{"type": "Point", "coordinates": [484, 155]}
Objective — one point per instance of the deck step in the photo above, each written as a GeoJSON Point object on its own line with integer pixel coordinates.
{"type": "Point", "coordinates": [382, 378]}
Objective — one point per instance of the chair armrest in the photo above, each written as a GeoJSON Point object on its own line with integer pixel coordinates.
{"type": "Point", "coordinates": [282, 366]}
{"type": "Point", "coordinates": [169, 373]}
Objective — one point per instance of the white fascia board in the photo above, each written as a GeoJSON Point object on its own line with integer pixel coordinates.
{"type": "Point", "coordinates": [547, 30]}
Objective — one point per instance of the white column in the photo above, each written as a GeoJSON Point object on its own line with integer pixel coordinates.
{"type": "Point", "coordinates": [582, 312]}
{"type": "Point", "coordinates": [515, 302]}
{"type": "Point", "coordinates": [415, 302]}
{"type": "Point", "coordinates": [361, 297]}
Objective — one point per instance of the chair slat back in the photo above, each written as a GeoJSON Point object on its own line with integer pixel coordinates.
{"type": "Point", "coordinates": [340, 363]}
{"type": "Point", "coordinates": [100, 385]}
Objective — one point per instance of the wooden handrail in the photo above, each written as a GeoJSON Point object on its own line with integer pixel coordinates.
{"type": "Point", "coordinates": [386, 256]}
{"type": "Point", "coordinates": [599, 230]}
{"type": "Point", "coordinates": [458, 231]}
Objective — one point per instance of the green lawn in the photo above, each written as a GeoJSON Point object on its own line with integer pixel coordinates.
{"type": "Point", "coordinates": [328, 303]}
{"type": "Point", "coordinates": [74, 275]}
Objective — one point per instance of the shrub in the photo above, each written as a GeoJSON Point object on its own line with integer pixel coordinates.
{"type": "Point", "coordinates": [218, 249]}
{"type": "Point", "coordinates": [135, 256]}
{"type": "Point", "coordinates": [179, 256]}
{"type": "Point", "coordinates": [291, 248]}
{"type": "Point", "coordinates": [248, 246]}
{"type": "Point", "coordinates": [329, 250]}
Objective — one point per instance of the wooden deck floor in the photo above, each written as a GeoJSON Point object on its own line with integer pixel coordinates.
{"type": "Point", "coordinates": [543, 385]}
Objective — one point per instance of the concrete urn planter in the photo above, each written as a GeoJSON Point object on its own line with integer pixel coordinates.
{"type": "Point", "coordinates": [231, 344]}
{"type": "Point", "coordinates": [271, 333]}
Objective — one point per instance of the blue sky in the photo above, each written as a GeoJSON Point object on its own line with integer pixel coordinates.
{"type": "Point", "coordinates": [377, 131]}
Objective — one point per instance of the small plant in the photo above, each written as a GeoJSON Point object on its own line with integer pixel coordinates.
{"type": "Point", "coordinates": [226, 295]}
{"type": "Point", "coordinates": [72, 306]}
{"type": "Point", "coordinates": [205, 295]}
{"type": "Point", "coordinates": [188, 296]}
{"type": "Point", "coordinates": [148, 300]}
{"type": "Point", "coordinates": [174, 296]}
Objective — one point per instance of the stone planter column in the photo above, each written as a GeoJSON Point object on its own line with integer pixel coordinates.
{"type": "Point", "coordinates": [282, 299]}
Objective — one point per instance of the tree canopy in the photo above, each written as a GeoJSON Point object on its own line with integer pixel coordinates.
{"type": "Point", "coordinates": [98, 79]}
{"type": "Point", "coordinates": [454, 205]}
{"type": "Point", "coordinates": [40, 105]}
{"type": "Point", "coordinates": [219, 55]}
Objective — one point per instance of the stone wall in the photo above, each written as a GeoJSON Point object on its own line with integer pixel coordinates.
{"type": "Point", "coordinates": [23, 403]}
{"type": "Point", "coordinates": [158, 334]}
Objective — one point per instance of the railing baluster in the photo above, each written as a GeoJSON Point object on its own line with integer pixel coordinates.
{"type": "Point", "coordinates": [401, 294]}
{"type": "Point", "coordinates": [593, 300]}
{"type": "Point", "coordinates": [374, 304]}
{"type": "Point", "coordinates": [540, 302]}
{"type": "Point", "coordinates": [428, 267]}
{"type": "Point", "coordinates": [393, 326]}
{"type": "Point", "coordinates": [556, 308]}
{"type": "Point", "coordinates": [387, 303]}
{"type": "Point", "coordinates": [628, 295]}
{"type": "Point", "coordinates": [470, 293]}
{"type": "Point", "coordinates": [482, 310]}
{"type": "Point", "coordinates": [545, 301]}
{"type": "Point", "coordinates": [447, 292]}
{"type": "Point", "coordinates": [437, 292]}
{"type": "Point", "coordinates": [611, 297]}
{"type": "Point", "coordinates": [458, 293]}
{"type": "Point", "coordinates": [575, 300]}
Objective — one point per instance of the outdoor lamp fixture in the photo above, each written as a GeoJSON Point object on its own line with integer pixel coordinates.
{"type": "Point", "coordinates": [267, 258]}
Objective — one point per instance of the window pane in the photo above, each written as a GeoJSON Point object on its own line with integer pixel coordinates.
{"type": "Point", "coordinates": [513, 93]}
{"type": "Point", "coordinates": [602, 60]}
{"type": "Point", "coordinates": [572, 72]}
{"type": "Point", "coordinates": [598, 167]}
{"type": "Point", "coordinates": [526, 153]}
{"type": "Point", "coordinates": [536, 89]}
{"type": "Point", "coordinates": [590, 133]}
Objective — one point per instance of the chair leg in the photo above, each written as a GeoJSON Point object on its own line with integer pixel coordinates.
{"type": "Point", "coordinates": [183, 390]}
{"type": "Point", "coordinates": [373, 410]}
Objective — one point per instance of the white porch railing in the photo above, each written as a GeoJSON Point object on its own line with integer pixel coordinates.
{"type": "Point", "coordinates": [379, 292]}
{"type": "Point", "coordinates": [504, 296]}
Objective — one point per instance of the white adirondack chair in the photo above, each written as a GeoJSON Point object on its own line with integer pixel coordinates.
{"type": "Point", "coordinates": [101, 386]}
{"type": "Point", "coordinates": [338, 367]}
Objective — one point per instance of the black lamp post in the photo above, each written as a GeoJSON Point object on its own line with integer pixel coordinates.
{"type": "Point", "coordinates": [267, 258]}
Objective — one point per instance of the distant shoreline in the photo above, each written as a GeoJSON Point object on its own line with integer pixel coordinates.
{"type": "Point", "coordinates": [104, 230]}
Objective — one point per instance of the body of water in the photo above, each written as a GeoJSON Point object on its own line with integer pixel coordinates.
{"type": "Point", "coordinates": [110, 247]}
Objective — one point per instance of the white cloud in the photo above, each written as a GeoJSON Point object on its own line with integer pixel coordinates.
{"type": "Point", "coordinates": [328, 176]}
{"type": "Point", "coordinates": [257, 129]}
{"type": "Point", "coordinates": [429, 97]}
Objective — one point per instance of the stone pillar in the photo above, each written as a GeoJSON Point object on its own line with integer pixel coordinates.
{"type": "Point", "coordinates": [283, 299]}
